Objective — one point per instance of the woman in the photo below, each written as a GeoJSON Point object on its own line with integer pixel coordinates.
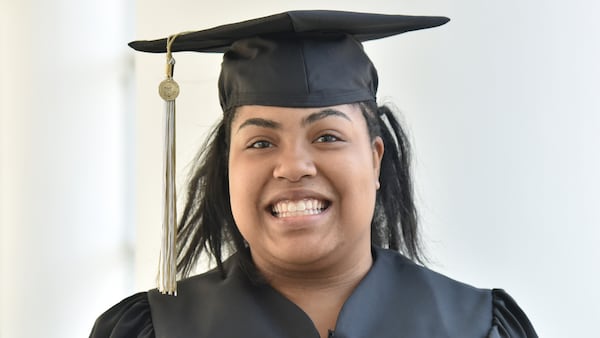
{"type": "Point", "coordinates": [306, 181]}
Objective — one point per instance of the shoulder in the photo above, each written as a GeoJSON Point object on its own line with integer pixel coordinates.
{"type": "Point", "coordinates": [213, 299]}
{"type": "Point", "coordinates": [207, 287]}
{"type": "Point", "coordinates": [457, 303]}
{"type": "Point", "coordinates": [128, 319]}
{"type": "Point", "coordinates": [416, 296]}
{"type": "Point", "coordinates": [509, 319]}
{"type": "Point", "coordinates": [133, 316]}
{"type": "Point", "coordinates": [428, 283]}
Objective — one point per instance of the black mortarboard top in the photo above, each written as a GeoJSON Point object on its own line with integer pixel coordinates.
{"type": "Point", "coordinates": [297, 58]}
{"type": "Point", "coordinates": [292, 59]}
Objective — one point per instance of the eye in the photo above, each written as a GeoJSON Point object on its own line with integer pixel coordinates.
{"type": "Point", "coordinates": [261, 144]}
{"type": "Point", "coordinates": [327, 138]}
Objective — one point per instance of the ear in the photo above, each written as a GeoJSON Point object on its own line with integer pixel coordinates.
{"type": "Point", "coordinates": [377, 149]}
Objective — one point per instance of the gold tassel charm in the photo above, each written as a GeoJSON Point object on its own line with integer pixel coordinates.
{"type": "Point", "coordinates": [167, 271]}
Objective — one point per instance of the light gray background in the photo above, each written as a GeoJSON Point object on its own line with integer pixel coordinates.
{"type": "Point", "coordinates": [501, 104]}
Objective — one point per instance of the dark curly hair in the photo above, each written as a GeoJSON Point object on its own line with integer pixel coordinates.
{"type": "Point", "coordinates": [207, 224]}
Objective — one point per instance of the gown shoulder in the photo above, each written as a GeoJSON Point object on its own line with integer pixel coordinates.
{"type": "Point", "coordinates": [426, 297]}
{"type": "Point", "coordinates": [130, 318]}
{"type": "Point", "coordinates": [508, 320]}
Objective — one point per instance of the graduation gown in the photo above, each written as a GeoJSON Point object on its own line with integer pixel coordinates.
{"type": "Point", "coordinates": [397, 298]}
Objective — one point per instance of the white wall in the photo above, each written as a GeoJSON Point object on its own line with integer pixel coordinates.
{"type": "Point", "coordinates": [503, 110]}
{"type": "Point", "coordinates": [505, 113]}
{"type": "Point", "coordinates": [65, 176]}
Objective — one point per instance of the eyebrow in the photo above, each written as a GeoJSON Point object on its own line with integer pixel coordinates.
{"type": "Point", "coordinates": [312, 118]}
{"type": "Point", "coordinates": [260, 122]}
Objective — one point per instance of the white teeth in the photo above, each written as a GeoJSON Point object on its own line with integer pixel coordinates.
{"type": "Point", "coordinates": [309, 204]}
{"type": "Point", "coordinates": [298, 208]}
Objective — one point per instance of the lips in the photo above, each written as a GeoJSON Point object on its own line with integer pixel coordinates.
{"type": "Point", "coordinates": [302, 207]}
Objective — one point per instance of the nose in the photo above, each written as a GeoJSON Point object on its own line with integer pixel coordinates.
{"type": "Point", "coordinates": [294, 163]}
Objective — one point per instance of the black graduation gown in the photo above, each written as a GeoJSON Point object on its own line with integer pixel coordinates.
{"type": "Point", "coordinates": [397, 298]}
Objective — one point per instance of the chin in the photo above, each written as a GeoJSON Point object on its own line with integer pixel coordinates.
{"type": "Point", "coordinates": [305, 253]}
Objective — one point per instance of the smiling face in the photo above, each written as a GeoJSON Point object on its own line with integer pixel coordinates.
{"type": "Point", "coordinates": [303, 183]}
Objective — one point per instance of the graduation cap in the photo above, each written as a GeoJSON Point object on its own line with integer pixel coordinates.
{"type": "Point", "coordinates": [291, 59]}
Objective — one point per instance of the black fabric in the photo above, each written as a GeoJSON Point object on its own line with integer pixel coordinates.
{"type": "Point", "coordinates": [508, 316]}
{"type": "Point", "coordinates": [397, 298]}
{"type": "Point", "coordinates": [362, 26]}
{"type": "Point", "coordinates": [296, 72]}
{"type": "Point", "coordinates": [129, 319]}
{"type": "Point", "coordinates": [295, 59]}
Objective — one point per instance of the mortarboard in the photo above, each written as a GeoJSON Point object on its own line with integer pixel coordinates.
{"type": "Point", "coordinates": [297, 58]}
{"type": "Point", "coordinates": [291, 59]}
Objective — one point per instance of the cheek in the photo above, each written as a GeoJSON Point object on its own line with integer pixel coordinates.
{"type": "Point", "coordinates": [355, 171]}
{"type": "Point", "coordinates": [364, 184]}
{"type": "Point", "coordinates": [359, 205]}
{"type": "Point", "coordinates": [245, 182]}
{"type": "Point", "coordinates": [237, 189]}
{"type": "Point", "coordinates": [359, 187]}
{"type": "Point", "coordinates": [357, 183]}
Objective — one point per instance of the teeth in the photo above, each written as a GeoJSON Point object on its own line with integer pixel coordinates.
{"type": "Point", "coordinates": [298, 208]}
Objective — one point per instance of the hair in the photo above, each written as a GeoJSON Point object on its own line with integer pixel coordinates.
{"type": "Point", "coordinates": [207, 223]}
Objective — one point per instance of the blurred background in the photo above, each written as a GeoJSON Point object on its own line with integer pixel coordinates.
{"type": "Point", "coordinates": [501, 105]}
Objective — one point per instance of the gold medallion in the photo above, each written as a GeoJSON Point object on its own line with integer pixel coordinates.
{"type": "Point", "coordinates": [168, 90]}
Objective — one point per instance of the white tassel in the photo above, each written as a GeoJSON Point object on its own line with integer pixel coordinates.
{"type": "Point", "coordinates": [167, 265]}
{"type": "Point", "coordinates": [167, 272]}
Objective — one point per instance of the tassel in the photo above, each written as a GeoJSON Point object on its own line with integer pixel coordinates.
{"type": "Point", "coordinates": [167, 270]}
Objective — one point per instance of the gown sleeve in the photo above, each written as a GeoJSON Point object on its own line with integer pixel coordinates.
{"type": "Point", "coordinates": [131, 318]}
{"type": "Point", "coordinates": [508, 320]}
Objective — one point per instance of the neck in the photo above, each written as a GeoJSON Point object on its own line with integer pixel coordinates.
{"type": "Point", "coordinates": [345, 275]}
{"type": "Point", "coordinates": [320, 293]}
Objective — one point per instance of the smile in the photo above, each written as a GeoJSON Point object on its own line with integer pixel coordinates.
{"type": "Point", "coordinates": [302, 207]}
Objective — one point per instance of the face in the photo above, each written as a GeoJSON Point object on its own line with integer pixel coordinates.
{"type": "Point", "coordinates": [303, 183]}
